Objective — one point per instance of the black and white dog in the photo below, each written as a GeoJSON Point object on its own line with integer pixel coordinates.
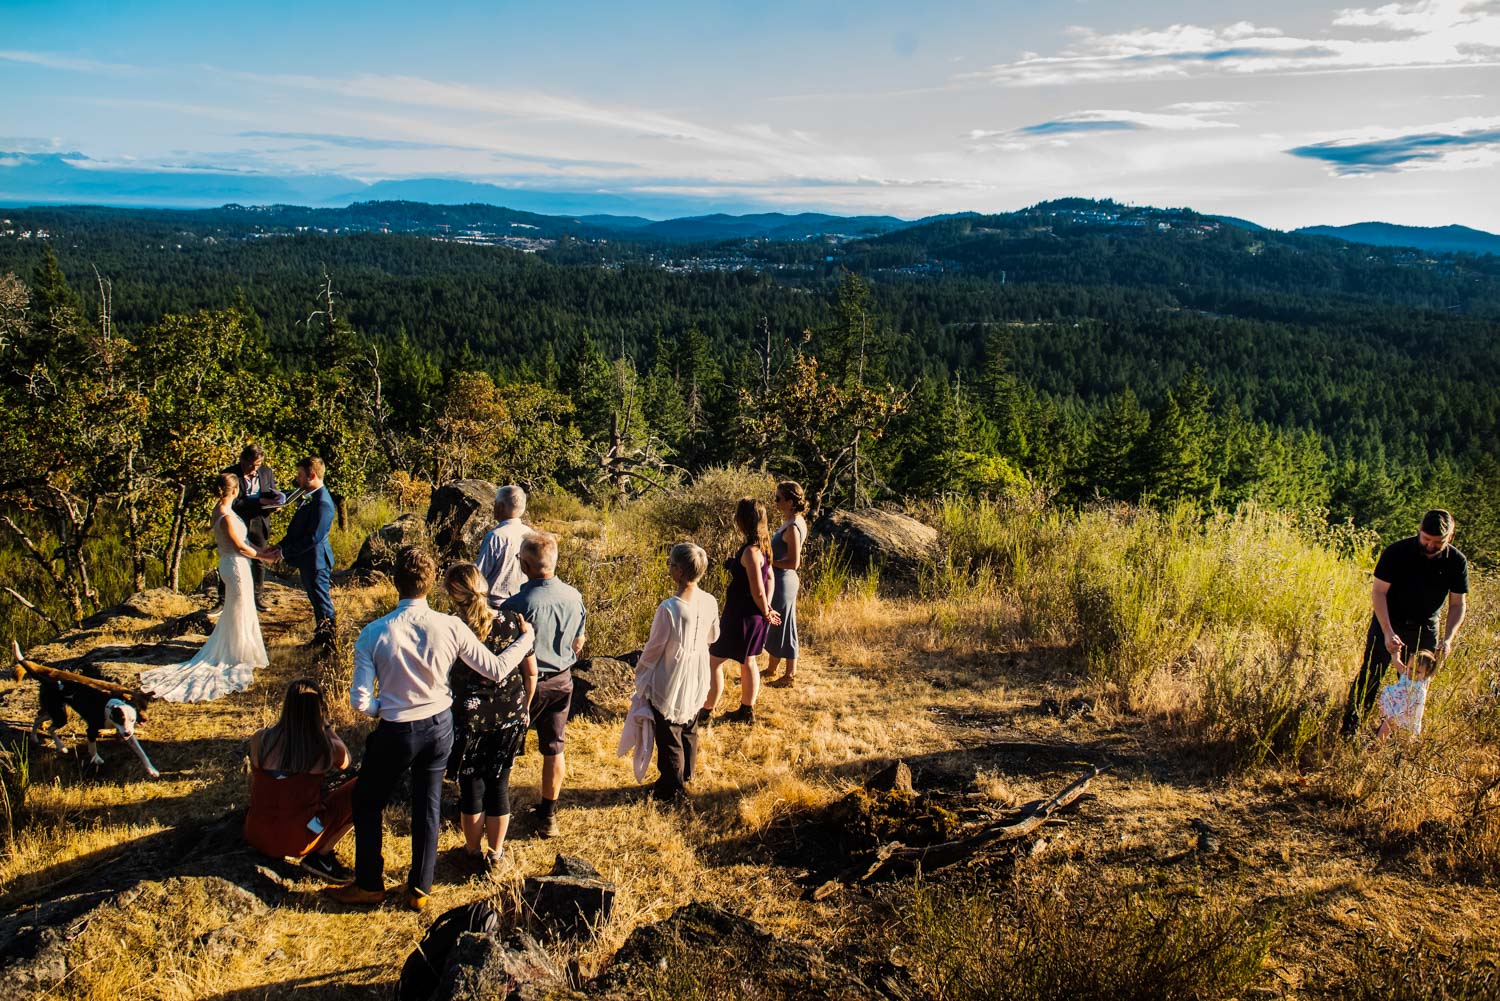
{"type": "Point", "coordinates": [98, 709]}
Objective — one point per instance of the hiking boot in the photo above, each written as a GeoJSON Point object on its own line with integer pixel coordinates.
{"type": "Point", "coordinates": [327, 868]}
{"type": "Point", "coordinates": [354, 896]}
{"type": "Point", "coordinates": [744, 714]}
{"type": "Point", "coordinates": [545, 824]}
{"type": "Point", "coordinates": [705, 717]}
{"type": "Point", "coordinates": [492, 859]}
{"type": "Point", "coordinates": [414, 899]}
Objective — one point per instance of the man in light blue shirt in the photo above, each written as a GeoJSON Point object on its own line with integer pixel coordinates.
{"type": "Point", "coordinates": [497, 557]}
{"type": "Point", "coordinates": [401, 664]}
{"type": "Point", "coordinates": [555, 611]}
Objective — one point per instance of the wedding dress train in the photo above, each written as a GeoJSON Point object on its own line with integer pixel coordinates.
{"type": "Point", "coordinates": [227, 662]}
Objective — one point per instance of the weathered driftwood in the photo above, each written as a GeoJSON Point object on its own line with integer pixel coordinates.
{"type": "Point", "coordinates": [896, 858]}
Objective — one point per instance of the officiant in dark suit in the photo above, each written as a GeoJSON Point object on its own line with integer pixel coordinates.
{"type": "Point", "coordinates": [258, 498]}
{"type": "Point", "coordinates": [306, 546]}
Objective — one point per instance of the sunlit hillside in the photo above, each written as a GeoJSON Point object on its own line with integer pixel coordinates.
{"type": "Point", "coordinates": [1234, 847]}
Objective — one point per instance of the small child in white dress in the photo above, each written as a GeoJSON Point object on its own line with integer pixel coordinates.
{"type": "Point", "coordinates": [1403, 700]}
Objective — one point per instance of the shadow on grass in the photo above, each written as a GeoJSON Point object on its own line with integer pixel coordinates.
{"type": "Point", "coordinates": [322, 985]}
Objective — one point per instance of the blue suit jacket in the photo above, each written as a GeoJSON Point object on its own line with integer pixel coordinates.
{"type": "Point", "coordinates": [306, 542]}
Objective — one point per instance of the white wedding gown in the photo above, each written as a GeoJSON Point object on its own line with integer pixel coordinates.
{"type": "Point", "coordinates": [228, 660]}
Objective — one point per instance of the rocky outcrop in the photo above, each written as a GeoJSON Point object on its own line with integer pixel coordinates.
{"type": "Point", "coordinates": [460, 514]}
{"type": "Point", "coordinates": [894, 544]}
{"type": "Point", "coordinates": [209, 863]}
{"type": "Point", "coordinates": [602, 687]}
{"type": "Point", "coordinates": [571, 901]}
{"type": "Point", "coordinates": [513, 967]}
{"type": "Point", "coordinates": [712, 951]}
{"type": "Point", "coordinates": [378, 554]}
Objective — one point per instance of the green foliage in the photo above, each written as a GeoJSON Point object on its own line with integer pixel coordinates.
{"type": "Point", "coordinates": [1239, 627]}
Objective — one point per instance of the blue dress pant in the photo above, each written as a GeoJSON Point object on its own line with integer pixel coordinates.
{"type": "Point", "coordinates": [317, 582]}
{"type": "Point", "coordinates": [421, 748]}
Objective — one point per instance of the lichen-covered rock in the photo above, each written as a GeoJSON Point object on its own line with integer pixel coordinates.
{"type": "Point", "coordinates": [378, 554]}
{"type": "Point", "coordinates": [895, 544]}
{"type": "Point", "coordinates": [571, 901]}
{"type": "Point", "coordinates": [602, 687]}
{"type": "Point", "coordinates": [460, 514]}
{"type": "Point", "coordinates": [513, 967]}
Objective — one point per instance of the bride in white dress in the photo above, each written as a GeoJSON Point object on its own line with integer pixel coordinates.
{"type": "Point", "coordinates": [228, 660]}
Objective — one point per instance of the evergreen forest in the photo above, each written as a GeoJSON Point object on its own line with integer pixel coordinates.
{"type": "Point", "coordinates": [1084, 351]}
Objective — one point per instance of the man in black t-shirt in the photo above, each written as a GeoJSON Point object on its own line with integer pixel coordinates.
{"type": "Point", "coordinates": [1413, 578]}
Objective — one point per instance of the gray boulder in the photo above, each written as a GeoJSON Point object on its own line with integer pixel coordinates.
{"type": "Point", "coordinates": [895, 544]}
{"type": "Point", "coordinates": [460, 515]}
{"type": "Point", "coordinates": [571, 901]}
{"type": "Point", "coordinates": [602, 687]}
{"type": "Point", "coordinates": [378, 554]}
{"type": "Point", "coordinates": [514, 967]}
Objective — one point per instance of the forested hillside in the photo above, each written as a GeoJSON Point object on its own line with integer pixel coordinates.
{"type": "Point", "coordinates": [1084, 348]}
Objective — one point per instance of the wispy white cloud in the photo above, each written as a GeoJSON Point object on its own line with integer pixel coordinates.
{"type": "Point", "coordinates": [503, 117]}
{"type": "Point", "coordinates": [75, 64]}
{"type": "Point", "coordinates": [1425, 35]}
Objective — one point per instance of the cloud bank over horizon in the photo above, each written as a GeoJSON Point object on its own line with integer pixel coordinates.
{"type": "Point", "coordinates": [1294, 117]}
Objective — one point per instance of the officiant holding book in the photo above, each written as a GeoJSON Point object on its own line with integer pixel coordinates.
{"type": "Point", "coordinates": [258, 497]}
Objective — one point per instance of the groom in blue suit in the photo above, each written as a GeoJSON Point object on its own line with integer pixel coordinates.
{"type": "Point", "coordinates": [306, 546]}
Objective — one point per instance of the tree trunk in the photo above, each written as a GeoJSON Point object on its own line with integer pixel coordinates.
{"type": "Point", "coordinates": [177, 538]}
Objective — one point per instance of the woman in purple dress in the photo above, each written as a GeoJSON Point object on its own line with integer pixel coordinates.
{"type": "Point", "coordinates": [747, 615]}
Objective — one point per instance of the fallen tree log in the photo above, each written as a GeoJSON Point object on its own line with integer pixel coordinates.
{"type": "Point", "coordinates": [897, 859]}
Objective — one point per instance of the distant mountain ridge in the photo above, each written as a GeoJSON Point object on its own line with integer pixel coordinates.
{"type": "Point", "coordinates": [461, 208]}
{"type": "Point", "coordinates": [1434, 239]}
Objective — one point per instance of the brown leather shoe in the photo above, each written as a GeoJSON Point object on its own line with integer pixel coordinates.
{"type": "Point", "coordinates": [414, 899]}
{"type": "Point", "coordinates": [354, 896]}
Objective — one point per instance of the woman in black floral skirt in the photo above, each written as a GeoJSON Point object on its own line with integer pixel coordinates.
{"type": "Point", "coordinates": [489, 719]}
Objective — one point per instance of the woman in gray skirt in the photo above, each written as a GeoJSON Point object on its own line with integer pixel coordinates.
{"type": "Point", "coordinates": [786, 558]}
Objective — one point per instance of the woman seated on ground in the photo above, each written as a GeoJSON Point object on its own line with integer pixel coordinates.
{"type": "Point", "coordinates": [782, 643]}
{"type": "Point", "coordinates": [673, 671]}
{"type": "Point", "coordinates": [290, 815]}
{"type": "Point", "coordinates": [747, 611]}
{"type": "Point", "coordinates": [489, 719]}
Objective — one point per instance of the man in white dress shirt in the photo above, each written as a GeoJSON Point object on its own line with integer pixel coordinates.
{"type": "Point", "coordinates": [401, 665]}
{"type": "Point", "coordinates": [497, 557]}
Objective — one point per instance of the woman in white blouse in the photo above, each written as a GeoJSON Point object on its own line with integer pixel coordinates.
{"type": "Point", "coordinates": [673, 674]}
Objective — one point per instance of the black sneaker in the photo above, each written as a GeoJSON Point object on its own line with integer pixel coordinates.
{"type": "Point", "coordinates": [744, 714]}
{"type": "Point", "coordinates": [705, 717]}
{"type": "Point", "coordinates": [327, 868]}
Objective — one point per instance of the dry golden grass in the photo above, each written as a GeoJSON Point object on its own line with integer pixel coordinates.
{"type": "Point", "coordinates": [949, 679]}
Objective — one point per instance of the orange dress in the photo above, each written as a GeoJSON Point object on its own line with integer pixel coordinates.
{"type": "Point", "coordinates": [282, 806]}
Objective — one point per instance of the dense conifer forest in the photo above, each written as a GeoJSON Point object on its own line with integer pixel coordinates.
{"type": "Point", "coordinates": [1085, 349]}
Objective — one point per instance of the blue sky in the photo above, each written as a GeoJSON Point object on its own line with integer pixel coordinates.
{"type": "Point", "coordinates": [1288, 114]}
